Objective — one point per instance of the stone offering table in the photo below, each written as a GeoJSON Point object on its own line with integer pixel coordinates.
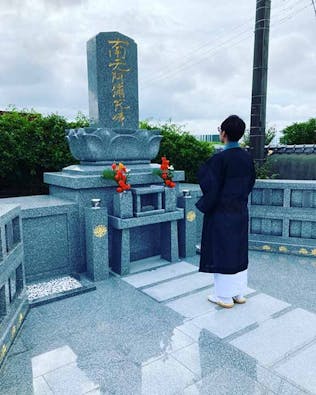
{"type": "Point", "coordinates": [162, 221]}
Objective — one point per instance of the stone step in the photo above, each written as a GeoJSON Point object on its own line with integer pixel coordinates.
{"type": "Point", "coordinates": [276, 338]}
{"type": "Point", "coordinates": [301, 368]}
{"type": "Point", "coordinates": [192, 306]}
{"type": "Point", "coordinates": [180, 287]}
{"type": "Point", "coordinates": [142, 265]}
{"type": "Point", "coordinates": [159, 275]}
{"type": "Point", "coordinates": [225, 322]}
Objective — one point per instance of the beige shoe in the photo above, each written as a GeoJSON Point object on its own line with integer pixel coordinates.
{"type": "Point", "coordinates": [216, 300]}
{"type": "Point", "coordinates": [239, 299]}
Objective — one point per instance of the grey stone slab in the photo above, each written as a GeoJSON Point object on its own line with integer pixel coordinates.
{"type": "Point", "coordinates": [178, 287]}
{"type": "Point", "coordinates": [224, 382]}
{"type": "Point", "coordinates": [69, 379]}
{"type": "Point", "coordinates": [197, 304]}
{"type": "Point", "coordinates": [52, 360]}
{"type": "Point", "coordinates": [290, 389]}
{"type": "Point", "coordinates": [275, 338]}
{"type": "Point", "coordinates": [164, 273]}
{"type": "Point", "coordinates": [147, 264]}
{"type": "Point", "coordinates": [209, 354]}
{"type": "Point", "coordinates": [190, 329]}
{"type": "Point", "coordinates": [114, 372]}
{"type": "Point", "coordinates": [193, 305]}
{"type": "Point", "coordinates": [16, 375]}
{"type": "Point", "coordinates": [165, 376]}
{"type": "Point", "coordinates": [225, 322]}
{"type": "Point", "coordinates": [301, 368]}
{"type": "Point", "coordinates": [155, 346]}
{"type": "Point", "coordinates": [40, 387]}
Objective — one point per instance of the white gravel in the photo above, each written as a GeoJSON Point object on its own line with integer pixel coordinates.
{"type": "Point", "coordinates": [47, 288]}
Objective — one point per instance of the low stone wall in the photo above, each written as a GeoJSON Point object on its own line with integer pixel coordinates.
{"type": "Point", "coordinates": [282, 216]}
{"type": "Point", "coordinates": [50, 235]}
{"type": "Point", "coordinates": [13, 303]}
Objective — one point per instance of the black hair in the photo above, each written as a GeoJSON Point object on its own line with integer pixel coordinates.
{"type": "Point", "coordinates": [234, 127]}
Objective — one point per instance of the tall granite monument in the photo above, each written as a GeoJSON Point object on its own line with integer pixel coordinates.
{"type": "Point", "coordinates": [113, 135]}
{"type": "Point", "coordinates": [113, 107]}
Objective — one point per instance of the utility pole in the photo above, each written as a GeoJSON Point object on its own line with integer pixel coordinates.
{"type": "Point", "coordinates": [259, 80]}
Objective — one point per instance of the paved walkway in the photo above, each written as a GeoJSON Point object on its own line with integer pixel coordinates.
{"type": "Point", "coordinates": [155, 333]}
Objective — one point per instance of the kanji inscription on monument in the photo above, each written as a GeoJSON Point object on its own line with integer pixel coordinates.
{"type": "Point", "coordinates": [113, 81]}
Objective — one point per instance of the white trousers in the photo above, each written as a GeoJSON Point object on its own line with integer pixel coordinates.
{"type": "Point", "coordinates": [229, 285]}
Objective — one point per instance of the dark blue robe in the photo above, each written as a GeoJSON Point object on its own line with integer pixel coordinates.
{"type": "Point", "coordinates": [226, 179]}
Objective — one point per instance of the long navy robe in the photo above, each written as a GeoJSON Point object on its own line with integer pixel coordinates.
{"type": "Point", "coordinates": [226, 179]}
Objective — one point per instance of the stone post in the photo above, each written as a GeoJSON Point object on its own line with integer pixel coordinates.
{"type": "Point", "coordinates": [97, 256]}
{"type": "Point", "coordinates": [187, 226]}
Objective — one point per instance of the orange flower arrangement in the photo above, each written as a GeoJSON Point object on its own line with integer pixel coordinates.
{"type": "Point", "coordinates": [166, 172]}
{"type": "Point", "coordinates": [120, 174]}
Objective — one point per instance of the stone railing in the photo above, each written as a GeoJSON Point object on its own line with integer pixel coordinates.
{"type": "Point", "coordinates": [13, 304]}
{"type": "Point", "coordinates": [282, 216]}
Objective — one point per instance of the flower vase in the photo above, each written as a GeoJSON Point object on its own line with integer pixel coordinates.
{"type": "Point", "coordinates": [170, 199]}
{"type": "Point", "coordinates": [123, 204]}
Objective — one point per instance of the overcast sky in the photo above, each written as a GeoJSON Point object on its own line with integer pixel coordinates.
{"type": "Point", "coordinates": [195, 57]}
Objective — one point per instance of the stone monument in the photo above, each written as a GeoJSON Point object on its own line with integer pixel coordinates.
{"type": "Point", "coordinates": [113, 135]}
{"type": "Point", "coordinates": [113, 107]}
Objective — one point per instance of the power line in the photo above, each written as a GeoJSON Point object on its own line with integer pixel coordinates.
{"type": "Point", "coordinates": [313, 3]}
{"type": "Point", "coordinates": [188, 56]}
{"type": "Point", "coordinates": [212, 50]}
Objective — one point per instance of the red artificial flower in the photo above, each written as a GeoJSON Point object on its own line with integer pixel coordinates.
{"type": "Point", "coordinates": [119, 189]}
{"type": "Point", "coordinates": [114, 166]}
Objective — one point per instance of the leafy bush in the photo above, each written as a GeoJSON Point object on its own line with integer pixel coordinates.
{"type": "Point", "coordinates": [31, 144]}
{"type": "Point", "coordinates": [300, 133]}
{"type": "Point", "coordinates": [265, 171]}
{"type": "Point", "coordinates": [269, 136]}
{"type": "Point", "coordinates": [183, 150]}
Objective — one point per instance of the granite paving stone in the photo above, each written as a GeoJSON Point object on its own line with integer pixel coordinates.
{"type": "Point", "coordinates": [178, 287]}
{"type": "Point", "coordinates": [197, 304]}
{"type": "Point", "coordinates": [52, 360]}
{"type": "Point", "coordinates": [69, 380]}
{"type": "Point", "coordinates": [114, 372]}
{"type": "Point", "coordinates": [301, 368]}
{"type": "Point", "coordinates": [225, 322]}
{"type": "Point", "coordinates": [165, 376]}
{"type": "Point", "coordinates": [117, 332]}
{"type": "Point", "coordinates": [40, 387]}
{"type": "Point", "coordinates": [148, 264]}
{"type": "Point", "coordinates": [290, 389]}
{"type": "Point", "coordinates": [190, 329]}
{"type": "Point", "coordinates": [226, 382]}
{"type": "Point", "coordinates": [275, 338]}
{"type": "Point", "coordinates": [211, 353]}
{"type": "Point", "coordinates": [155, 345]}
{"type": "Point", "coordinates": [164, 273]}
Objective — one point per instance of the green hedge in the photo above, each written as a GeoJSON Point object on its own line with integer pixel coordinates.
{"type": "Point", "coordinates": [300, 133]}
{"type": "Point", "coordinates": [183, 150]}
{"type": "Point", "coordinates": [31, 144]}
